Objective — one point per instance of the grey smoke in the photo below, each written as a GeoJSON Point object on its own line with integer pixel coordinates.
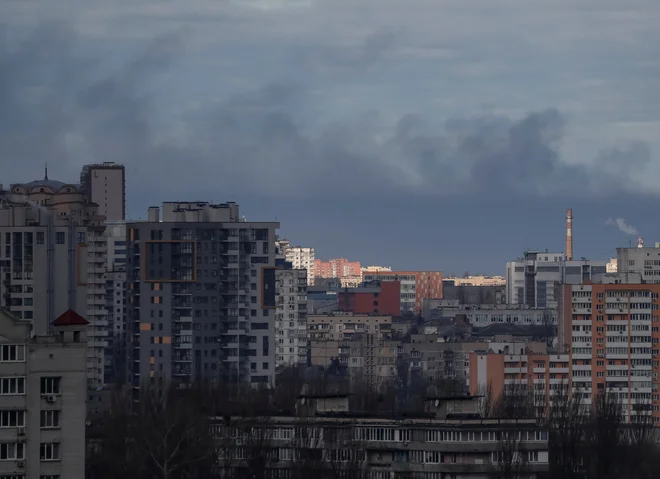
{"type": "Point", "coordinates": [59, 105]}
{"type": "Point", "coordinates": [622, 225]}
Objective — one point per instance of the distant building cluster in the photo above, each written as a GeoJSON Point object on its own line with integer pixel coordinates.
{"type": "Point", "coordinates": [91, 300]}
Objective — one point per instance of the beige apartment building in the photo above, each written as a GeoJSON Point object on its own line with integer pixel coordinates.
{"type": "Point", "coordinates": [43, 389]}
{"type": "Point", "coordinates": [105, 185]}
{"type": "Point", "coordinates": [53, 259]}
{"type": "Point", "coordinates": [365, 356]}
{"type": "Point", "coordinates": [343, 325]}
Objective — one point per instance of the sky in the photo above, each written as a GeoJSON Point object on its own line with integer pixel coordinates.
{"type": "Point", "coordinates": [418, 134]}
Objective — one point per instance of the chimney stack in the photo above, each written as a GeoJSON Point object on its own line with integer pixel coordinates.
{"type": "Point", "coordinates": [569, 234]}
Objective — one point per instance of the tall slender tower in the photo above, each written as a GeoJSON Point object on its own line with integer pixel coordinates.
{"type": "Point", "coordinates": [569, 234]}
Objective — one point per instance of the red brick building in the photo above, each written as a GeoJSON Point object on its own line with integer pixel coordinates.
{"type": "Point", "coordinates": [372, 299]}
{"type": "Point", "coordinates": [416, 286]}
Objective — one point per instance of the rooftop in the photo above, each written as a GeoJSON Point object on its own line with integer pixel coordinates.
{"type": "Point", "coordinates": [70, 318]}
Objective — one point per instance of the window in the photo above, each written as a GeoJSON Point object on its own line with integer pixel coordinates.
{"type": "Point", "coordinates": [50, 385]}
{"type": "Point", "coordinates": [40, 237]}
{"type": "Point", "coordinates": [12, 353]}
{"type": "Point", "coordinates": [59, 237]}
{"type": "Point", "coordinates": [11, 451]}
{"type": "Point", "coordinates": [49, 451]}
{"type": "Point", "coordinates": [12, 386]}
{"type": "Point", "coordinates": [12, 418]}
{"type": "Point", "coordinates": [50, 419]}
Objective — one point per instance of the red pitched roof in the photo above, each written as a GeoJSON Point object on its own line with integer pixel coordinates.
{"type": "Point", "coordinates": [70, 318]}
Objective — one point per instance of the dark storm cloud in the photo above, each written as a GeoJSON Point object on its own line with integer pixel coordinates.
{"type": "Point", "coordinates": [346, 59]}
{"type": "Point", "coordinates": [58, 106]}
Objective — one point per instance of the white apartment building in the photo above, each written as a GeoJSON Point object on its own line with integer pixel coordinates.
{"type": "Point", "coordinates": [480, 316]}
{"type": "Point", "coordinates": [53, 259]}
{"type": "Point", "coordinates": [291, 318]}
{"type": "Point", "coordinates": [302, 258]}
{"type": "Point", "coordinates": [531, 280]}
{"type": "Point", "coordinates": [43, 390]}
{"type": "Point", "coordinates": [644, 261]}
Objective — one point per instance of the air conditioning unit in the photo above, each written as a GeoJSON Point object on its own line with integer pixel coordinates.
{"type": "Point", "coordinates": [21, 431]}
{"type": "Point", "coordinates": [20, 464]}
{"type": "Point", "coordinates": [50, 399]}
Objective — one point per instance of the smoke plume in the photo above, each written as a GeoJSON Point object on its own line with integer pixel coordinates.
{"type": "Point", "coordinates": [624, 227]}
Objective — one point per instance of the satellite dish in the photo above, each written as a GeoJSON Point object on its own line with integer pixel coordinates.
{"type": "Point", "coordinates": [302, 401]}
{"type": "Point", "coordinates": [437, 402]}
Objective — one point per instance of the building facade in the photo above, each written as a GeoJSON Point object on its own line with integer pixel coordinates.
{"type": "Point", "coordinates": [291, 318]}
{"type": "Point", "coordinates": [53, 258]}
{"type": "Point", "coordinates": [610, 332]}
{"type": "Point", "coordinates": [377, 298]}
{"type": "Point", "coordinates": [202, 295]}
{"type": "Point", "coordinates": [348, 272]}
{"type": "Point", "coordinates": [416, 286]}
{"type": "Point", "coordinates": [116, 353]}
{"type": "Point", "coordinates": [542, 374]}
{"type": "Point", "coordinates": [342, 325]}
{"type": "Point", "coordinates": [301, 258]}
{"type": "Point", "coordinates": [447, 442]}
{"type": "Point", "coordinates": [105, 185]}
{"type": "Point", "coordinates": [643, 261]}
{"type": "Point", "coordinates": [480, 316]}
{"type": "Point", "coordinates": [531, 280]}
{"type": "Point", "coordinates": [43, 389]}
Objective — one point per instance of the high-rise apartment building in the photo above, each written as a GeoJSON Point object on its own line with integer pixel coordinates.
{"type": "Point", "coordinates": [531, 280]}
{"type": "Point", "coordinates": [116, 354]}
{"type": "Point", "coordinates": [201, 295]}
{"type": "Point", "coordinates": [105, 185]}
{"type": "Point", "coordinates": [610, 331]}
{"type": "Point", "coordinates": [291, 317]}
{"type": "Point", "coordinates": [53, 258]}
{"type": "Point", "coordinates": [348, 272]}
{"type": "Point", "coordinates": [416, 286]}
{"type": "Point", "coordinates": [302, 258]}
{"type": "Point", "coordinates": [43, 389]}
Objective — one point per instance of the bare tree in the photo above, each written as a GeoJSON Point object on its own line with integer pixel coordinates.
{"type": "Point", "coordinates": [566, 421]}
{"type": "Point", "coordinates": [172, 433]}
{"type": "Point", "coordinates": [511, 458]}
{"type": "Point", "coordinates": [515, 402]}
{"type": "Point", "coordinates": [167, 436]}
{"type": "Point", "coordinates": [604, 438]}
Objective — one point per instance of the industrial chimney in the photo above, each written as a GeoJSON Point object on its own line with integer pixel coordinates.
{"type": "Point", "coordinates": [569, 234]}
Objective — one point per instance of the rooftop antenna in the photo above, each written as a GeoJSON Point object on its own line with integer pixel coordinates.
{"type": "Point", "coordinates": [46, 172]}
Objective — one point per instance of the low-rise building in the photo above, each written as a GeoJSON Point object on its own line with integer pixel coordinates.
{"type": "Point", "coordinates": [482, 315]}
{"type": "Point", "coordinates": [449, 441]}
{"type": "Point", "coordinates": [43, 390]}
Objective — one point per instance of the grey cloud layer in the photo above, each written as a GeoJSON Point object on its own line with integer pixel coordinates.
{"type": "Point", "coordinates": [60, 106]}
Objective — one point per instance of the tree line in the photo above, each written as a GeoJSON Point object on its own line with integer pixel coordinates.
{"type": "Point", "coordinates": [169, 433]}
{"type": "Point", "coordinates": [595, 439]}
